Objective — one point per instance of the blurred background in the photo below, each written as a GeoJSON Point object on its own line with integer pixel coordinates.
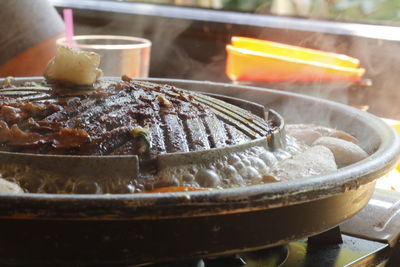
{"type": "Point", "coordinates": [189, 38]}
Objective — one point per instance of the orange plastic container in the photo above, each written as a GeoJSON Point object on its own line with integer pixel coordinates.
{"type": "Point", "coordinates": [257, 60]}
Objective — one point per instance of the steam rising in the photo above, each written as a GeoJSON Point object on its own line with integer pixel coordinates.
{"type": "Point", "coordinates": [300, 109]}
{"type": "Point", "coordinates": [187, 49]}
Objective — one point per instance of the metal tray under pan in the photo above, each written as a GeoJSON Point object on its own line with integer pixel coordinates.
{"type": "Point", "coordinates": [144, 228]}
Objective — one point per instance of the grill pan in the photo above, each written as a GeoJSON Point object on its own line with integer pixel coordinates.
{"type": "Point", "coordinates": [144, 228]}
{"type": "Point", "coordinates": [197, 132]}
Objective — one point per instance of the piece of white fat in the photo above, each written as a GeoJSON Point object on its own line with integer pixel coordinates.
{"type": "Point", "coordinates": [7, 187]}
{"type": "Point", "coordinates": [345, 152]}
{"type": "Point", "coordinates": [314, 161]}
{"type": "Point", "coordinates": [308, 133]}
{"type": "Point", "coordinates": [74, 66]}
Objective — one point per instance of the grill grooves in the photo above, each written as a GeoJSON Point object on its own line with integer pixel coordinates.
{"type": "Point", "coordinates": [228, 133]}
{"type": "Point", "coordinates": [71, 111]}
{"type": "Point", "coordinates": [17, 89]}
{"type": "Point", "coordinates": [189, 137]}
{"type": "Point", "coordinates": [196, 132]}
{"type": "Point", "coordinates": [242, 115]}
{"type": "Point", "coordinates": [176, 137]}
{"type": "Point", "coordinates": [178, 121]}
{"type": "Point", "coordinates": [232, 121]}
{"type": "Point", "coordinates": [42, 96]}
{"type": "Point", "coordinates": [230, 116]}
{"type": "Point", "coordinates": [107, 142]}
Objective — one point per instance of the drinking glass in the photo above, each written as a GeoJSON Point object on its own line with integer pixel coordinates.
{"type": "Point", "coordinates": [119, 54]}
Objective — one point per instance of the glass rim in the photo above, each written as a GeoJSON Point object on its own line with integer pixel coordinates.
{"type": "Point", "coordinates": [139, 42]}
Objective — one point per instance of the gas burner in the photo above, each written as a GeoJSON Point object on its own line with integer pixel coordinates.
{"type": "Point", "coordinates": [274, 256]}
{"type": "Point", "coordinates": [351, 252]}
{"type": "Point", "coordinates": [364, 240]}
